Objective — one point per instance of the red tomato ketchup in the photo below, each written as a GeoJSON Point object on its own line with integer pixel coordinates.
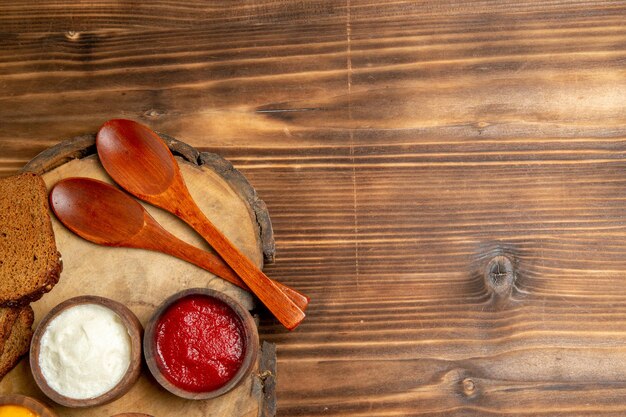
{"type": "Point", "coordinates": [200, 343]}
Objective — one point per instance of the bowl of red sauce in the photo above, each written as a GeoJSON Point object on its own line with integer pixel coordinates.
{"type": "Point", "coordinates": [200, 344]}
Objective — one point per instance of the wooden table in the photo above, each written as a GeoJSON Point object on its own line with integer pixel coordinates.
{"type": "Point", "coordinates": [446, 180]}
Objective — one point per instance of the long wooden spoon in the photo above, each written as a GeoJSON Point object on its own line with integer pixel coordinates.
{"type": "Point", "coordinates": [141, 163]}
{"type": "Point", "coordinates": [102, 214]}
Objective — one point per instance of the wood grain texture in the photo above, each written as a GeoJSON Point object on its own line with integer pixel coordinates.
{"type": "Point", "coordinates": [399, 147]}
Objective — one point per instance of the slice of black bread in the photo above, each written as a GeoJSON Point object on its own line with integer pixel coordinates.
{"type": "Point", "coordinates": [18, 341]}
{"type": "Point", "coordinates": [8, 316]}
{"type": "Point", "coordinates": [30, 264]}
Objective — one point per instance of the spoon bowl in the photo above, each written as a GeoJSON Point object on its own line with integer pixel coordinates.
{"type": "Point", "coordinates": [96, 211]}
{"type": "Point", "coordinates": [157, 170]}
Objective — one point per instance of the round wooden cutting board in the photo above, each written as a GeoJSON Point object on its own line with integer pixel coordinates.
{"type": "Point", "coordinates": [142, 279]}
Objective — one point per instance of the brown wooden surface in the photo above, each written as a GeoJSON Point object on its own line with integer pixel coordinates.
{"type": "Point", "coordinates": [399, 146]}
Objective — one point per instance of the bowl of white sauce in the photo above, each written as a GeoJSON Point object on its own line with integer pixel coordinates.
{"type": "Point", "coordinates": [86, 351]}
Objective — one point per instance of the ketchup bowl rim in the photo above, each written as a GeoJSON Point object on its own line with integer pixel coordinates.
{"type": "Point", "coordinates": [251, 343]}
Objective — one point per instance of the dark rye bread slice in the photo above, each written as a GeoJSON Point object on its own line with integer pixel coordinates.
{"type": "Point", "coordinates": [30, 264]}
{"type": "Point", "coordinates": [18, 341]}
{"type": "Point", "coordinates": [8, 316]}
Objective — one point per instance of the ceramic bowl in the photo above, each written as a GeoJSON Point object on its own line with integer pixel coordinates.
{"type": "Point", "coordinates": [251, 341]}
{"type": "Point", "coordinates": [32, 404]}
{"type": "Point", "coordinates": [132, 373]}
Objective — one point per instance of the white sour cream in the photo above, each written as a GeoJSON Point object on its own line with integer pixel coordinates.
{"type": "Point", "coordinates": [85, 351]}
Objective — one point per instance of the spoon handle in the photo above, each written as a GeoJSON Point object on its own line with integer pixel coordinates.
{"type": "Point", "coordinates": [155, 237]}
{"type": "Point", "coordinates": [283, 308]}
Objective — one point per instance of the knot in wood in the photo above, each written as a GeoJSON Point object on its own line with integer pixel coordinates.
{"type": "Point", "coordinates": [265, 374]}
{"type": "Point", "coordinates": [468, 386]}
{"type": "Point", "coordinates": [72, 35]}
{"type": "Point", "coordinates": [500, 275]}
{"type": "Point", "coordinates": [152, 114]}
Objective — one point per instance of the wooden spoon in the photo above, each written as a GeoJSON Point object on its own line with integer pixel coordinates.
{"type": "Point", "coordinates": [141, 163]}
{"type": "Point", "coordinates": [102, 214]}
